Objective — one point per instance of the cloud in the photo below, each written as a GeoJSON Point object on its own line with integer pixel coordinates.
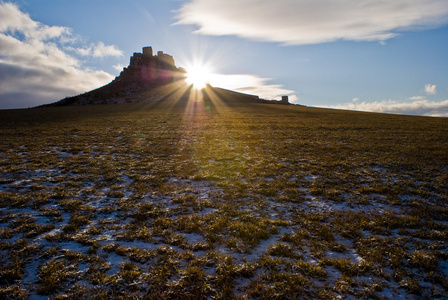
{"type": "Point", "coordinates": [251, 84]}
{"type": "Point", "coordinates": [417, 106]}
{"type": "Point", "coordinates": [417, 98]}
{"type": "Point", "coordinates": [310, 22]}
{"type": "Point", "coordinates": [13, 20]}
{"type": "Point", "coordinates": [35, 67]}
{"type": "Point", "coordinates": [118, 67]}
{"type": "Point", "coordinates": [430, 89]}
{"type": "Point", "coordinates": [99, 50]}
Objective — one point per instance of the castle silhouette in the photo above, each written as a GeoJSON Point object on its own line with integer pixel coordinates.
{"type": "Point", "coordinates": [148, 69]}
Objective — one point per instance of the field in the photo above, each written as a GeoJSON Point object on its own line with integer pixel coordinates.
{"type": "Point", "coordinates": [221, 200]}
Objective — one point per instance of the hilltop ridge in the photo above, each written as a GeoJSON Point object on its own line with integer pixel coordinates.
{"type": "Point", "coordinates": [150, 78]}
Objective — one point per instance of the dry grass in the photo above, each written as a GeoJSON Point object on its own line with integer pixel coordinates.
{"type": "Point", "coordinates": [222, 201]}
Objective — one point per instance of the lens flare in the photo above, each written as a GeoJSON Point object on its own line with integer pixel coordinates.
{"type": "Point", "coordinates": [198, 76]}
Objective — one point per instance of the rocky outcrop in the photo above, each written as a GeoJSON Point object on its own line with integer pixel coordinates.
{"type": "Point", "coordinates": [139, 82]}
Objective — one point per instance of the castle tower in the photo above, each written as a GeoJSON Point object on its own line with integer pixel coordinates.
{"type": "Point", "coordinates": [165, 57]}
{"type": "Point", "coordinates": [285, 100]}
{"type": "Point", "coordinates": [147, 51]}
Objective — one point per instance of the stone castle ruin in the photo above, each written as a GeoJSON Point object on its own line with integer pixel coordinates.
{"type": "Point", "coordinates": [146, 68]}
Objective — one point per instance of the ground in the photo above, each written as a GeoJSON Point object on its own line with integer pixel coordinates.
{"type": "Point", "coordinates": [206, 200]}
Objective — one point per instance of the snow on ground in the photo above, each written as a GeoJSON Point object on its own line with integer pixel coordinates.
{"type": "Point", "coordinates": [107, 228]}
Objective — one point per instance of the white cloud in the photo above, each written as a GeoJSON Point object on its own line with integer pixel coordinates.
{"type": "Point", "coordinates": [13, 20]}
{"type": "Point", "coordinates": [310, 22]}
{"type": "Point", "coordinates": [99, 50]}
{"type": "Point", "coordinates": [417, 98]}
{"type": "Point", "coordinates": [34, 65]}
{"type": "Point", "coordinates": [418, 106]}
{"type": "Point", "coordinates": [430, 89]}
{"type": "Point", "coordinates": [251, 84]}
{"type": "Point", "coordinates": [118, 67]}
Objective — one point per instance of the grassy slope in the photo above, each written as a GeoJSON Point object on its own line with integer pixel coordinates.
{"type": "Point", "coordinates": [176, 200]}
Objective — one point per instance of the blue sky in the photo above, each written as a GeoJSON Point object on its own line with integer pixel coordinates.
{"type": "Point", "coordinates": [386, 56]}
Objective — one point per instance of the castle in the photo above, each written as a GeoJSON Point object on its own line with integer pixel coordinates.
{"type": "Point", "coordinates": [149, 69]}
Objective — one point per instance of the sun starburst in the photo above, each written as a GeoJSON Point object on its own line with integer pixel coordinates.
{"type": "Point", "coordinates": [198, 76]}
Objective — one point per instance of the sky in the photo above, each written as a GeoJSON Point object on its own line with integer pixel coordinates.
{"type": "Point", "coordinates": [383, 55]}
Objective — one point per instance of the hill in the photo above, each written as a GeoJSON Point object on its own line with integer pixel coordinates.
{"type": "Point", "coordinates": [218, 198]}
{"type": "Point", "coordinates": [151, 78]}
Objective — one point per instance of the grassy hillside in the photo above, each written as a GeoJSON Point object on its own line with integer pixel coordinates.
{"type": "Point", "coordinates": [221, 199]}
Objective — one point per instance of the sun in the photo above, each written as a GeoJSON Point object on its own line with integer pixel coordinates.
{"type": "Point", "coordinates": [198, 76]}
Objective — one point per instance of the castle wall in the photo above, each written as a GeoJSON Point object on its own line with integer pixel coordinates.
{"type": "Point", "coordinates": [165, 57]}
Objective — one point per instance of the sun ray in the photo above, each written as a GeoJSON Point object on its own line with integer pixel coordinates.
{"type": "Point", "coordinates": [198, 76]}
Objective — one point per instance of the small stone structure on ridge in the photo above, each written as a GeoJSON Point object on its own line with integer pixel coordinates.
{"type": "Point", "coordinates": [285, 100]}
